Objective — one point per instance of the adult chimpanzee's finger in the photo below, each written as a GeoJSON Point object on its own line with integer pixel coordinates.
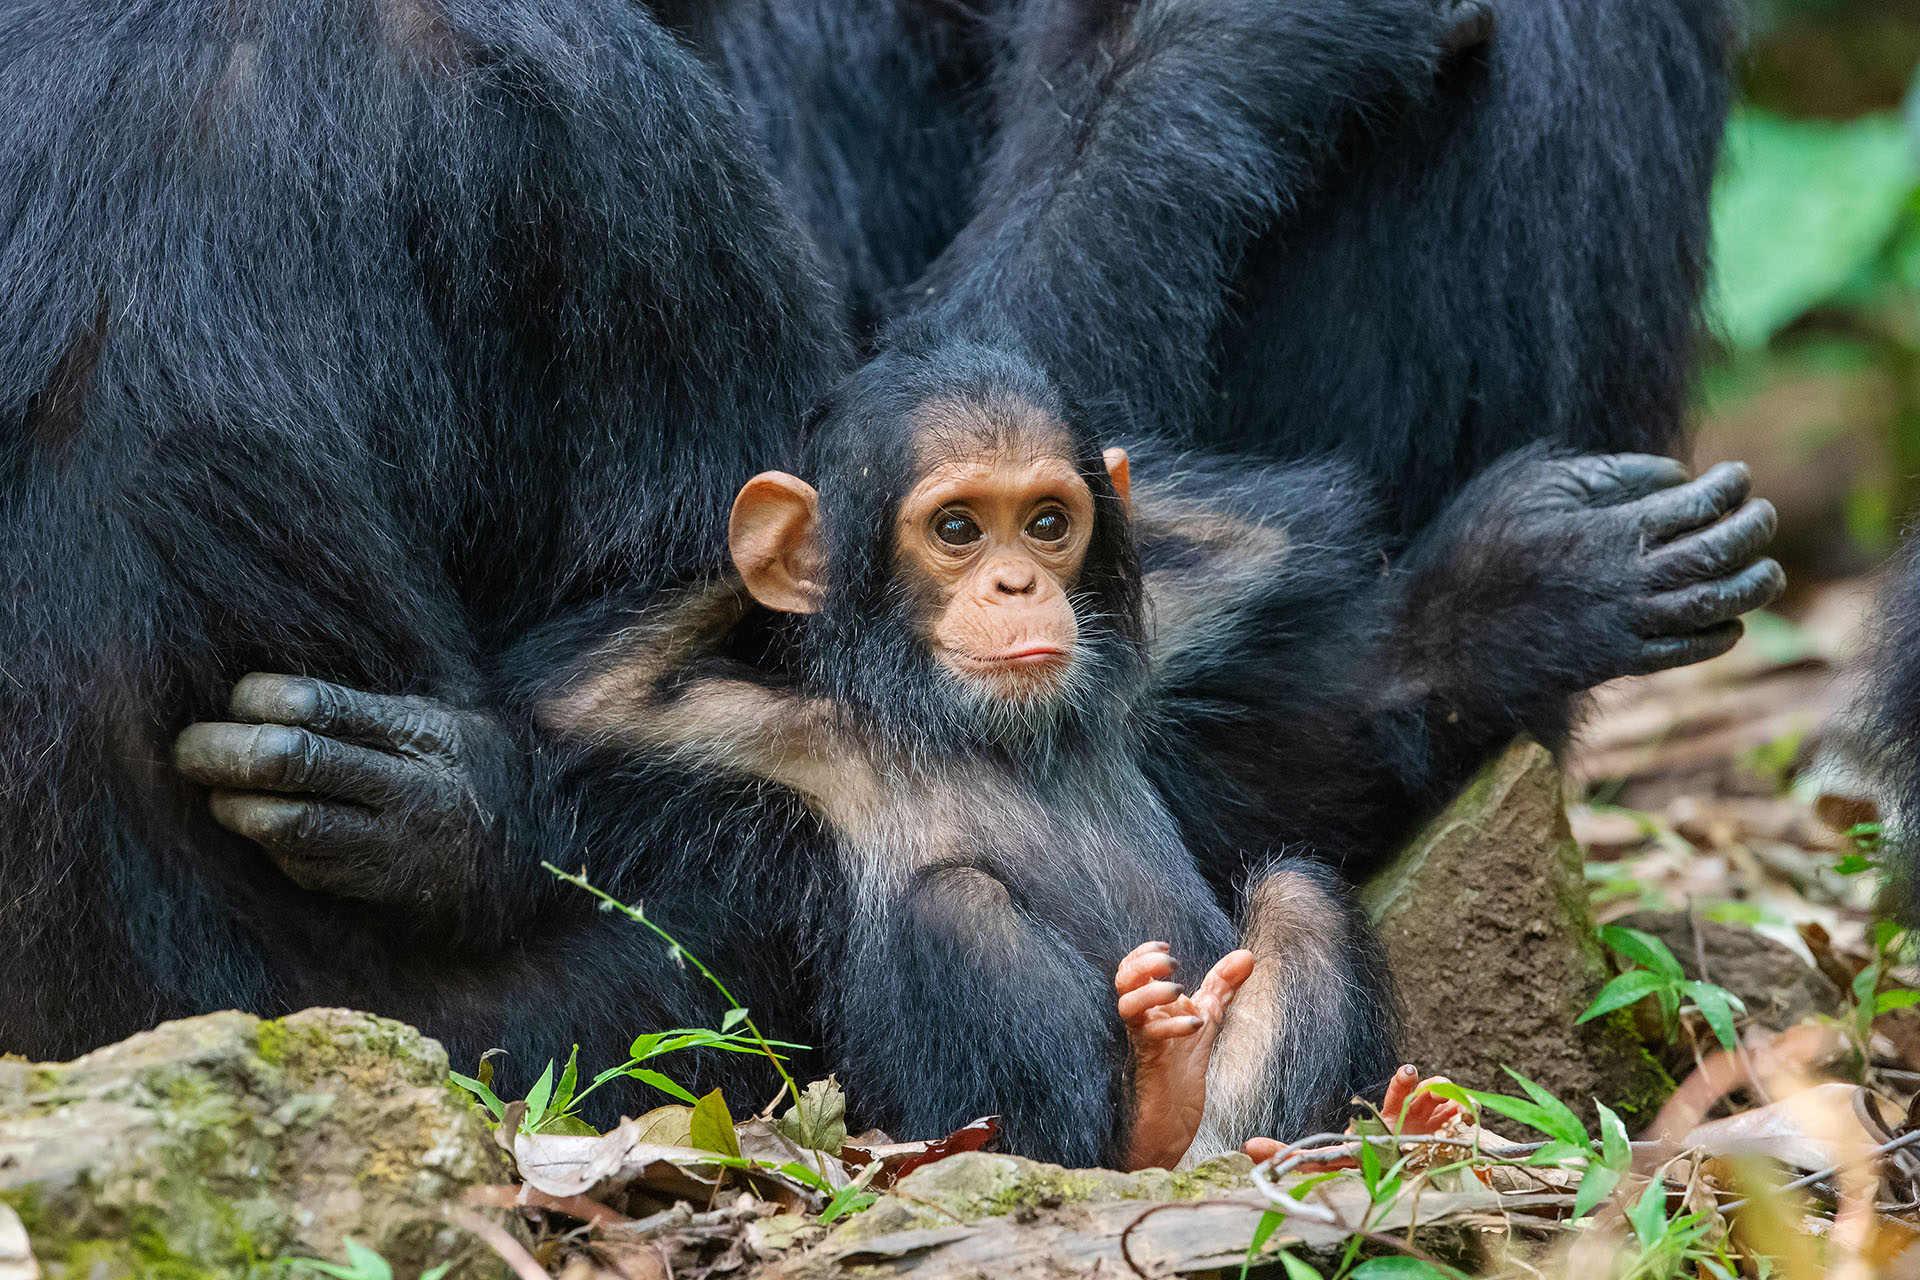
{"type": "Point", "coordinates": [1678, 651]}
{"type": "Point", "coordinates": [277, 757]}
{"type": "Point", "coordinates": [1672, 512]}
{"type": "Point", "coordinates": [1716, 550]}
{"type": "Point", "coordinates": [1608, 479]}
{"type": "Point", "coordinates": [1705, 604]}
{"type": "Point", "coordinates": [371, 719]}
{"type": "Point", "coordinates": [282, 824]}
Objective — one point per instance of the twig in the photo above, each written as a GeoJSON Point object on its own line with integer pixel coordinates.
{"type": "Point", "coordinates": [511, 1251]}
{"type": "Point", "coordinates": [1900, 1143]}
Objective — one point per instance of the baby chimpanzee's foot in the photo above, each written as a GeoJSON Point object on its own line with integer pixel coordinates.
{"type": "Point", "coordinates": [1172, 1037]}
{"type": "Point", "coordinates": [1408, 1107]}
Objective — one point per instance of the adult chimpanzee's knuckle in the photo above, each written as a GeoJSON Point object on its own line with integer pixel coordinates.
{"type": "Point", "coordinates": [272, 756]}
{"type": "Point", "coordinates": [263, 696]}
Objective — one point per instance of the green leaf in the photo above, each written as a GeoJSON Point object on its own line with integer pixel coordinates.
{"type": "Point", "coordinates": [1398, 1267]}
{"type": "Point", "coordinates": [1800, 207]}
{"type": "Point", "coordinates": [537, 1099]}
{"type": "Point", "coordinates": [712, 1127]}
{"type": "Point", "coordinates": [1629, 988]}
{"type": "Point", "coordinates": [1649, 1214]}
{"type": "Point", "coordinates": [1296, 1269]}
{"type": "Point", "coordinates": [642, 1047]}
{"type": "Point", "coordinates": [733, 1018]}
{"type": "Point", "coordinates": [1716, 1006]}
{"type": "Point", "coordinates": [1853, 864]}
{"type": "Point", "coordinates": [1567, 1126]}
{"type": "Point", "coordinates": [569, 1080]}
{"type": "Point", "coordinates": [1901, 998]}
{"type": "Point", "coordinates": [481, 1092]}
{"type": "Point", "coordinates": [807, 1176]}
{"type": "Point", "coordinates": [647, 1076]}
{"type": "Point", "coordinates": [1864, 983]}
{"type": "Point", "coordinates": [1262, 1232]}
{"type": "Point", "coordinates": [1642, 948]}
{"type": "Point", "coordinates": [848, 1199]}
{"type": "Point", "coordinates": [1615, 1148]}
{"type": "Point", "coordinates": [1596, 1184]}
{"type": "Point", "coordinates": [1370, 1169]}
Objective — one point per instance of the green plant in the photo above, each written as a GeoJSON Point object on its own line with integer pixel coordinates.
{"type": "Point", "coordinates": [1662, 978]}
{"type": "Point", "coordinates": [362, 1264]}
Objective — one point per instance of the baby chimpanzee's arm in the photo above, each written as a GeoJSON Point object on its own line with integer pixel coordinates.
{"type": "Point", "coordinates": [1311, 695]}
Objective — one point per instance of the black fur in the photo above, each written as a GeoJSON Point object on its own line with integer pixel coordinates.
{"type": "Point", "coordinates": [411, 345]}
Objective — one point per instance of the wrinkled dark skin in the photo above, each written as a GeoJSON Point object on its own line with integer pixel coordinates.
{"type": "Point", "coordinates": [363, 795]}
{"type": "Point", "coordinates": [1630, 566]}
{"type": "Point", "coordinates": [1636, 568]}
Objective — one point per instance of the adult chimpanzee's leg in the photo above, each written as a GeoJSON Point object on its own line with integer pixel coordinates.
{"type": "Point", "coordinates": [368, 340]}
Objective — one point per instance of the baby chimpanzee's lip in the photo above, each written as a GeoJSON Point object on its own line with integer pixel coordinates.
{"type": "Point", "coordinates": [1039, 653]}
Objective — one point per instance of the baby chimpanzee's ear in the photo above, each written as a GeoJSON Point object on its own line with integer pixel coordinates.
{"type": "Point", "coordinates": [1116, 460]}
{"type": "Point", "coordinates": [774, 537]}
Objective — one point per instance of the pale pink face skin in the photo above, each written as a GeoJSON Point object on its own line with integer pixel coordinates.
{"type": "Point", "coordinates": [1001, 537]}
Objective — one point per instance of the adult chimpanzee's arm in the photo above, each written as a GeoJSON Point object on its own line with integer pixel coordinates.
{"type": "Point", "coordinates": [1140, 153]}
{"type": "Point", "coordinates": [1312, 696]}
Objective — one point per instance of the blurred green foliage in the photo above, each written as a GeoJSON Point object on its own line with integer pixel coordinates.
{"type": "Point", "coordinates": [1817, 237]}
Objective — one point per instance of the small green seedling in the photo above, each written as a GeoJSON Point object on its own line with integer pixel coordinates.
{"type": "Point", "coordinates": [1662, 978]}
{"type": "Point", "coordinates": [362, 1264]}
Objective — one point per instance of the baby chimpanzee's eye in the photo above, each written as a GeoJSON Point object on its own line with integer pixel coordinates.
{"type": "Point", "coordinates": [1049, 526]}
{"type": "Point", "coordinates": [955, 529]}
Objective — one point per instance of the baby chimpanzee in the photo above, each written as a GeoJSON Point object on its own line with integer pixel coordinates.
{"type": "Point", "coordinates": [977, 672]}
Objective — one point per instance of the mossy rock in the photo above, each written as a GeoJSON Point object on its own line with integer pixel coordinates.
{"type": "Point", "coordinates": [976, 1185]}
{"type": "Point", "coordinates": [1488, 928]}
{"type": "Point", "coordinates": [218, 1146]}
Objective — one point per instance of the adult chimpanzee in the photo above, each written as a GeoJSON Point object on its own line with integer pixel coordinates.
{"type": "Point", "coordinates": [373, 340]}
{"type": "Point", "coordinates": [525, 283]}
{"type": "Point", "coordinates": [1891, 706]}
{"type": "Point", "coordinates": [355, 338]}
{"type": "Point", "coordinates": [1515, 256]}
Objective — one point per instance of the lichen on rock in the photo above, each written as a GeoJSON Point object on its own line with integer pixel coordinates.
{"type": "Point", "coordinates": [215, 1146]}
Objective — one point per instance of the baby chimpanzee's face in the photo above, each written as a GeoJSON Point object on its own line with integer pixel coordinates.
{"type": "Point", "coordinates": [995, 535]}
{"type": "Point", "coordinates": [987, 544]}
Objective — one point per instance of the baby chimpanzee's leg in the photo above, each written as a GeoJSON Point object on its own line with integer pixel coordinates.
{"type": "Point", "coordinates": [1315, 1023]}
{"type": "Point", "coordinates": [1171, 1036]}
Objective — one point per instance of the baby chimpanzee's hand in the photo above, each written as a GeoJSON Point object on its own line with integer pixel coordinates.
{"type": "Point", "coordinates": [1172, 1035]}
{"type": "Point", "coordinates": [387, 799]}
{"type": "Point", "coordinates": [1571, 571]}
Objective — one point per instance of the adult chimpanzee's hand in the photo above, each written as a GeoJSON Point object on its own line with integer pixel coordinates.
{"type": "Point", "coordinates": [389, 799]}
{"type": "Point", "coordinates": [1570, 571]}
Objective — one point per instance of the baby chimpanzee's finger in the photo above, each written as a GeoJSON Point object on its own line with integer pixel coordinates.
{"type": "Point", "coordinates": [1680, 651]}
{"type": "Point", "coordinates": [1672, 512]}
{"type": "Point", "coordinates": [410, 725]}
{"type": "Point", "coordinates": [1707, 604]}
{"type": "Point", "coordinates": [1399, 1089]}
{"type": "Point", "coordinates": [1135, 1004]}
{"type": "Point", "coordinates": [1609, 479]}
{"type": "Point", "coordinates": [1716, 550]}
{"type": "Point", "coordinates": [1223, 982]}
{"type": "Point", "coordinates": [275, 757]}
{"type": "Point", "coordinates": [1146, 962]}
{"type": "Point", "coordinates": [283, 824]}
{"type": "Point", "coordinates": [1173, 1028]}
